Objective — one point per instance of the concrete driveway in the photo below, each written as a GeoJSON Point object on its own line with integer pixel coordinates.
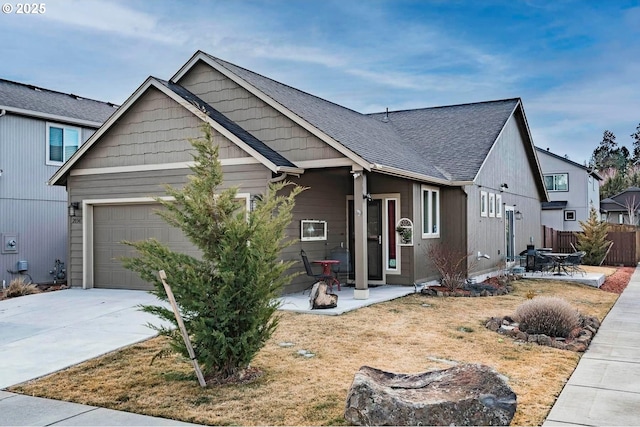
{"type": "Point", "coordinates": [43, 333]}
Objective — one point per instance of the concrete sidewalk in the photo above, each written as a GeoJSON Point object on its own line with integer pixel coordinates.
{"type": "Point", "coordinates": [20, 410]}
{"type": "Point", "coordinates": [605, 386]}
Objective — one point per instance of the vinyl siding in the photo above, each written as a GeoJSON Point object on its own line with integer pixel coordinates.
{"type": "Point", "coordinates": [507, 163]}
{"type": "Point", "coordinates": [28, 206]}
{"type": "Point", "coordinates": [581, 195]}
{"type": "Point", "coordinates": [261, 120]}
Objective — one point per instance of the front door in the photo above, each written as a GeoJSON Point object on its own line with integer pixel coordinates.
{"type": "Point", "coordinates": [374, 238]}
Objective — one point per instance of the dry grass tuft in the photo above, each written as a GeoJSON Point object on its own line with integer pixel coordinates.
{"type": "Point", "coordinates": [410, 335]}
{"type": "Point", "coordinates": [19, 287]}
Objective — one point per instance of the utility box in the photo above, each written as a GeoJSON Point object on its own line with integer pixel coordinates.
{"type": "Point", "coordinates": [10, 243]}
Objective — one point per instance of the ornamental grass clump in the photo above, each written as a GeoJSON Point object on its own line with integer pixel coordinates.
{"type": "Point", "coordinates": [550, 316]}
{"type": "Point", "coordinates": [19, 287]}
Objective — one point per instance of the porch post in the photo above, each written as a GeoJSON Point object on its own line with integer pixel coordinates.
{"type": "Point", "coordinates": [360, 230]}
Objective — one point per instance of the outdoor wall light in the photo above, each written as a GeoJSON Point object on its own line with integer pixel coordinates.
{"type": "Point", "coordinates": [367, 197]}
{"type": "Point", "coordinates": [73, 207]}
{"type": "Point", "coordinates": [503, 186]}
{"type": "Point", "coordinates": [518, 215]}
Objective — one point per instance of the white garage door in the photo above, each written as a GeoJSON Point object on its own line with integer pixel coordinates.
{"type": "Point", "coordinates": [112, 225]}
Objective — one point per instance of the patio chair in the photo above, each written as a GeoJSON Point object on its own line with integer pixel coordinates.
{"type": "Point", "coordinates": [344, 268]}
{"type": "Point", "coordinates": [572, 263]}
{"type": "Point", "coordinates": [328, 279]}
{"type": "Point", "coordinates": [543, 263]}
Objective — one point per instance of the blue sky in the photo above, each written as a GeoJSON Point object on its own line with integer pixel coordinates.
{"type": "Point", "coordinates": [575, 64]}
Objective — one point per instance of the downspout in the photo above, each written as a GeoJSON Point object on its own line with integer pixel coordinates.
{"type": "Point", "coordinates": [278, 178]}
{"type": "Point", "coordinates": [3, 112]}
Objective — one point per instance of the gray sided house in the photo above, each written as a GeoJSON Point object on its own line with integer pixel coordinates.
{"type": "Point", "coordinates": [573, 189]}
{"type": "Point", "coordinates": [464, 175]}
{"type": "Point", "coordinates": [39, 130]}
{"type": "Point", "coordinates": [623, 208]}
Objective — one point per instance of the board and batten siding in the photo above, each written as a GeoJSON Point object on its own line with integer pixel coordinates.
{"type": "Point", "coordinates": [30, 208]}
{"type": "Point", "coordinates": [507, 163]}
{"type": "Point", "coordinates": [254, 115]}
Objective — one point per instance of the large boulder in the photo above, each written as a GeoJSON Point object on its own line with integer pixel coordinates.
{"type": "Point", "coordinates": [468, 394]}
{"type": "Point", "coordinates": [321, 298]}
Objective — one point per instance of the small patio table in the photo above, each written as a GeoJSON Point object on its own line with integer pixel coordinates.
{"type": "Point", "coordinates": [326, 270]}
{"type": "Point", "coordinates": [558, 259]}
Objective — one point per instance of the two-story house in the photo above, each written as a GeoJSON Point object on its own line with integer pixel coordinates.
{"type": "Point", "coordinates": [573, 189]}
{"type": "Point", "coordinates": [39, 130]}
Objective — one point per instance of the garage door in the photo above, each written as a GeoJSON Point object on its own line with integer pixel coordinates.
{"type": "Point", "coordinates": [112, 225]}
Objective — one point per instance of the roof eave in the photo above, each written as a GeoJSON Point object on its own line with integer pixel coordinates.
{"type": "Point", "coordinates": [52, 117]}
{"type": "Point", "coordinates": [402, 173]}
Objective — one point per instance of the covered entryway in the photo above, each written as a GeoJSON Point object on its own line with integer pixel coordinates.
{"type": "Point", "coordinates": [113, 224]}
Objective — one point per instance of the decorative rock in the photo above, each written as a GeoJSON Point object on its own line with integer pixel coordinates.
{"type": "Point", "coordinates": [463, 395]}
{"type": "Point", "coordinates": [493, 324]}
{"type": "Point", "coordinates": [544, 340]}
{"type": "Point", "coordinates": [320, 298]}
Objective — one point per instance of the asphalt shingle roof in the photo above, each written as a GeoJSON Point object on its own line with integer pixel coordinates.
{"type": "Point", "coordinates": [270, 154]}
{"type": "Point", "coordinates": [32, 98]}
{"type": "Point", "coordinates": [447, 143]}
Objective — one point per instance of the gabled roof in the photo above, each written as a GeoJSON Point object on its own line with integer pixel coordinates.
{"type": "Point", "coordinates": [457, 138]}
{"type": "Point", "coordinates": [257, 149]}
{"type": "Point", "coordinates": [628, 197]}
{"type": "Point", "coordinates": [445, 145]}
{"type": "Point", "coordinates": [273, 156]}
{"type": "Point", "coordinates": [591, 171]}
{"type": "Point", "coordinates": [43, 103]}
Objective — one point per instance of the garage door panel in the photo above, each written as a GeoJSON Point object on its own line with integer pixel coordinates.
{"type": "Point", "coordinates": [115, 223]}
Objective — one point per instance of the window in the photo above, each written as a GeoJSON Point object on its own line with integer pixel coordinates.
{"type": "Point", "coordinates": [620, 218]}
{"type": "Point", "coordinates": [430, 212]}
{"type": "Point", "coordinates": [312, 229]}
{"type": "Point", "coordinates": [557, 182]}
{"type": "Point", "coordinates": [492, 205]}
{"type": "Point", "coordinates": [498, 205]}
{"type": "Point", "coordinates": [62, 142]}
{"type": "Point", "coordinates": [484, 203]}
{"type": "Point", "coordinates": [569, 215]}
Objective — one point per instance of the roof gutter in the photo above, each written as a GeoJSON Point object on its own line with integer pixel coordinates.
{"type": "Point", "coordinates": [389, 170]}
{"type": "Point", "coordinates": [47, 116]}
{"type": "Point", "coordinates": [3, 112]}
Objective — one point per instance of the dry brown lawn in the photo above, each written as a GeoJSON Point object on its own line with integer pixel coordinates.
{"type": "Point", "coordinates": [411, 334]}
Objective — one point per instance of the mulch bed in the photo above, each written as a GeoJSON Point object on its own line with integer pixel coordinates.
{"type": "Point", "coordinates": [618, 281]}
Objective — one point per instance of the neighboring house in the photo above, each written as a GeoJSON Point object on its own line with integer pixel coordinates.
{"type": "Point", "coordinates": [465, 175]}
{"type": "Point", "coordinates": [573, 189]}
{"type": "Point", "coordinates": [39, 130]}
{"type": "Point", "coordinates": [623, 208]}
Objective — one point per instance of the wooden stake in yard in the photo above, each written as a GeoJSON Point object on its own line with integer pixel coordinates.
{"type": "Point", "coordinates": [183, 330]}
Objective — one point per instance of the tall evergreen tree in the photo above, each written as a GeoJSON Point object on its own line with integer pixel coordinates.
{"type": "Point", "coordinates": [636, 146]}
{"type": "Point", "coordinates": [593, 238]}
{"type": "Point", "coordinates": [228, 296]}
{"type": "Point", "coordinates": [604, 156]}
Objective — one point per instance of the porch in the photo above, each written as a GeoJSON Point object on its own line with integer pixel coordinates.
{"type": "Point", "coordinates": [299, 302]}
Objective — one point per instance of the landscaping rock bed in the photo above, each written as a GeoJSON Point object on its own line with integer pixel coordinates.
{"type": "Point", "coordinates": [493, 286]}
{"type": "Point", "coordinates": [578, 340]}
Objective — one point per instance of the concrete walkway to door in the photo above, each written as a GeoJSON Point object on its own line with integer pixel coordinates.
{"type": "Point", "coordinates": [43, 333]}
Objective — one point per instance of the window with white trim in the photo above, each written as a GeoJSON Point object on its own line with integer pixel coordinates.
{"type": "Point", "coordinates": [557, 182]}
{"type": "Point", "coordinates": [430, 212]}
{"type": "Point", "coordinates": [62, 142]}
{"type": "Point", "coordinates": [484, 204]}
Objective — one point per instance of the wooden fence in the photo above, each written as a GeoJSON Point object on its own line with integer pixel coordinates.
{"type": "Point", "coordinates": [625, 238]}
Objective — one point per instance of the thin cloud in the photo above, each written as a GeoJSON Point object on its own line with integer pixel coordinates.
{"type": "Point", "coordinates": [113, 18]}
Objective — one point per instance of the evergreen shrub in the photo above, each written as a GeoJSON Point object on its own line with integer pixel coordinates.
{"type": "Point", "coordinates": [228, 295]}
